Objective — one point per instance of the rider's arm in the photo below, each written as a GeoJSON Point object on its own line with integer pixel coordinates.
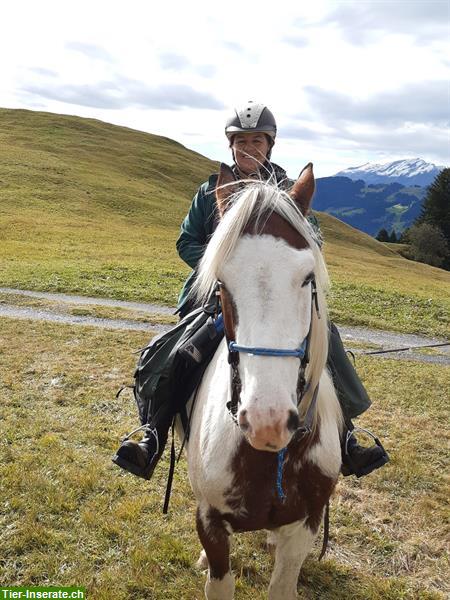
{"type": "Point", "coordinates": [196, 227]}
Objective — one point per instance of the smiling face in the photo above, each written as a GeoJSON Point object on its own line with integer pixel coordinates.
{"type": "Point", "coordinates": [250, 150]}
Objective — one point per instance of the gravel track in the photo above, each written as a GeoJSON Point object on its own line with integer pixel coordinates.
{"type": "Point", "coordinates": [382, 339]}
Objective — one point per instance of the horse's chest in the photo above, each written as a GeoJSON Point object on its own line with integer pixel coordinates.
{"type": "Point", "coordinates": [254, 497]}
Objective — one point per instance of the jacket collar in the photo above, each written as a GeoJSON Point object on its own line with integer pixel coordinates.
{"type": "Point", "coordinates": [269, 171]}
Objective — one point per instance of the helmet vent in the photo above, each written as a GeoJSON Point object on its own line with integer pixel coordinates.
{"type": "Point", "coordinates": [252, 116]}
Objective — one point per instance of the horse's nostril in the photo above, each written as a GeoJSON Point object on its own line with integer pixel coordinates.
{"type": "Point", "coordinates": [242, 420]}
{"type": "Point", "coordinates": [293, 422]}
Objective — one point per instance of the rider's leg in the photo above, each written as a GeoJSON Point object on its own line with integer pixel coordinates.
{"type": "Point", "coordinates": [356, 460]}
{"type": "Point", "coordinates": [141, 458]}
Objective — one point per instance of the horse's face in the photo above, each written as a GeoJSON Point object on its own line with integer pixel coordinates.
{"type": "Point", "coordinates": [267, 280]}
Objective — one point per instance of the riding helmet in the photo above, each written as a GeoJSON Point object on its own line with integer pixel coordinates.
{"type": "Point", "coordinates": [252, 116]}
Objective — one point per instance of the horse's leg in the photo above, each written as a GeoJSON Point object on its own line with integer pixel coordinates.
{"type": "Point", "coordinates": [293, 542]}
{"type": "Point", "coordinates": [215, 540]}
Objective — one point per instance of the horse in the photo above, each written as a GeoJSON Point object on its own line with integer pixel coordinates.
{"type": "Point", "coordinates": [263, 451]}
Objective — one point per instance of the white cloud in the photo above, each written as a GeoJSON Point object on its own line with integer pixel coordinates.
{"type": "Point", "coordinates": [173, 68]}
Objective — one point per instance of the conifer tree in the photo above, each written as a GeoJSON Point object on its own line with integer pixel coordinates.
{"type": "Point", "coordinates": [436, 205]}
{"type": "Point", "coordinates": [393, 237]}
{"type": "Point", "coordinates": [382, 235]}
{"type": "Point", "coordinates": [436, 211]}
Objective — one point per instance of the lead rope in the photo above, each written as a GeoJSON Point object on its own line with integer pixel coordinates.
{"type": "Point", "coordinates": [280, 457]}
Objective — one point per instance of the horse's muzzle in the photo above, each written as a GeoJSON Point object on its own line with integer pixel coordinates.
{"type": "Point", "coordinates": [268, 434]}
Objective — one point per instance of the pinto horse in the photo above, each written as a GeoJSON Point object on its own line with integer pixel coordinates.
{"type": "Point", "coordinates": [263, 449]}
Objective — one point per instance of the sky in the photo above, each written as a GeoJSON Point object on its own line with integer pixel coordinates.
{"type": "Point", "coordinates": [349, 82]}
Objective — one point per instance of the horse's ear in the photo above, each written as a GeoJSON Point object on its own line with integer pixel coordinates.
{"type": "Point", "coordinates": [224, 187]}
{"type": "Point", "coordinates": [303, 189]}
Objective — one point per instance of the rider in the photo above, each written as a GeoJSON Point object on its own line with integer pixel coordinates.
{"type": "Point", "coordinates": [251, 132]}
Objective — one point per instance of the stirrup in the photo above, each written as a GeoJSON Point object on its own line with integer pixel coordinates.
{"type": "Point", "coordinates": [149, 429]}
{"type": "Point", "coordinates": [144, 472]}
{"type": "Point", "coordinates": [351, 468]}
{"type": "Point", "coordinates": [372, 435]}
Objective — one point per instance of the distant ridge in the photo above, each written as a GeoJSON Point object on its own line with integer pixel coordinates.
{"type": "Point", "coordinates": [369, 206]}
{"type": "Point", "coordinates": [409, 171]}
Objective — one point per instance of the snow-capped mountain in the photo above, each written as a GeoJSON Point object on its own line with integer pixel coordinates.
{"type": "Point", "coordinates": [410, 171]}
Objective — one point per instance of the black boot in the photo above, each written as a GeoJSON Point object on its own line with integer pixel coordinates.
{"type": "Point", "coordinates": [140, 458]}
{"type": "Point", "coordinates": [360, 461]}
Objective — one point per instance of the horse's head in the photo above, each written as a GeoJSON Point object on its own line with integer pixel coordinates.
{"type": "Point", "coordinates": [266, 259]}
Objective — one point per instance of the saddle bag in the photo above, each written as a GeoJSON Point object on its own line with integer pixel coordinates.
{"type": "Point", "coordinates": [164, 378]}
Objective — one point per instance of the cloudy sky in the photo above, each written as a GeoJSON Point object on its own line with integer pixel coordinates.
{"type": "Point", "coordinates": [348, 81]}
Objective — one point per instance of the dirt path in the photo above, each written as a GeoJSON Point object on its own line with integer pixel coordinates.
{"type": "Point", "coordinates": [72, 299]}
{"type": "Point", "coordinates": [353, 337]}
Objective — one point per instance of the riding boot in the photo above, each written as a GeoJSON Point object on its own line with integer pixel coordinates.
{"type": "Point", "coordinates": [354, 400]}
{"type": "Point", "coordinates": [141, 458]}
{"type": "Point", "coordinates": [357, 460]}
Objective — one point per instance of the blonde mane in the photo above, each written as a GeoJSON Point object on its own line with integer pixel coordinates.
{"type": "Point", "coordinates": [255, 203]}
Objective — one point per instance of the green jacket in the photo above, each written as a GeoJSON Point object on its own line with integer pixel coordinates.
{"type": "Point", "coordinates": [200, 223]}
{"type": "Point", "coordinates": [196, 229]}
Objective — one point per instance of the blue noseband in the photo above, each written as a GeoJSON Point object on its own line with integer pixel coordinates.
{"type": "Point", "coordinates": [297, 353]}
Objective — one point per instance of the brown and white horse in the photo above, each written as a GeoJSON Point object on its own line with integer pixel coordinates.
{"type": "Point", "coordinates": [275, 464]}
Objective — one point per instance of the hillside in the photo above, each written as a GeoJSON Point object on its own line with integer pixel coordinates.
{"type": "Point", "coordinates": [94, 208]}
{"type": "Point", "coordinates": [91, 207]}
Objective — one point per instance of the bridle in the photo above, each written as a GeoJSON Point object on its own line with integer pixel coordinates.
{"type": "Point", "coordinates": [302, 352]}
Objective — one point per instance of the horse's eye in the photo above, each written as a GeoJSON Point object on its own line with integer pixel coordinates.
{"type": "Point", "coordinates": [308, 279]}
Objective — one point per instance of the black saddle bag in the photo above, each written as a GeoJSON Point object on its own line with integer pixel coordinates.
{"type": "Point", "coordinates": [164, 380]}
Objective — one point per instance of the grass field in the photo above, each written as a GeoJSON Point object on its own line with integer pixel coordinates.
{"type": "Point", "coordinates": [92, 208]}
{"type": "Point", "coordinates": [68, 516]}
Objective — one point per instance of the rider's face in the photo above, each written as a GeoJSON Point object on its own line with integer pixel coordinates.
{"type": "Point", "coordinates": [250, 150]}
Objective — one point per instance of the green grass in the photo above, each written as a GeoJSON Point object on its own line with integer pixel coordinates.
{"type": "Point", "coordinates": [92, 208]}
{"type": "Point", "coordinates": [68, 516]}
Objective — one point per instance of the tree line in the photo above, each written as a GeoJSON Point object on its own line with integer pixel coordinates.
{"type": "Point", "coordinates": [428, 238]}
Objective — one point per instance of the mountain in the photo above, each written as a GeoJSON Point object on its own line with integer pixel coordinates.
{"type": "Point", "coordinates": [410, 171]}
{"type": "Point", "coordinates": [369, 207]}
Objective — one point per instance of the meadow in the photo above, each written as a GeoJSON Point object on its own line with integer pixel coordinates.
{"type": "Point", "coordinates": [92, 208]}
{"type": "Point", "coordinates": [69, 516]}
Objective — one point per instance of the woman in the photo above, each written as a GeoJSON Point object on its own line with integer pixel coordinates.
{"type": "Point", "coordinates": [251, 132]}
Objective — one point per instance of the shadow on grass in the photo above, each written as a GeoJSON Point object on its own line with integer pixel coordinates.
{"type": "Point", "coordinates": [329, 580]}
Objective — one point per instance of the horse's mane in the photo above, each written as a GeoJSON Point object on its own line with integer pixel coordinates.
{"type": "Point", "coordinates": [254, 204]}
